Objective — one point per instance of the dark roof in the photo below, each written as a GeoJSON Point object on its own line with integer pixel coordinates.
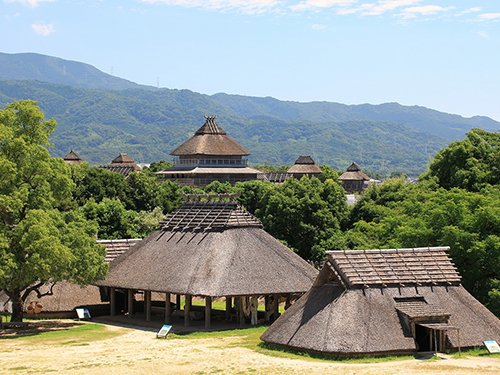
{"type": "Point", "coordinates": [430, 265]}
{"type": "Point", "coordinates": [72, 157]}
{"type": "Point", "coordinates": [211, 249]}
{"type": "Point", "coordinates": [210, 139]}
{"type": "Point", "coordinates": [123, 159]}
{"type": "Point", "coordinates": [353, 174]}
{"type": "Point", "coordinates": [115, 248]}
{"type": "Point", "coordinates": [304, 165]}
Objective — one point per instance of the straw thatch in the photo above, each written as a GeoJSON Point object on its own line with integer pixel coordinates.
{"type": "Point", "coordinates": [122, 164]}
{"type": "Point", "coordinates": [210, 139]}
{"type": "Point", "coordinates": [304, 165]}
{"type": "Point", "coordinates": [375, 302]}
{"type": "Point", "coordinates": [212, 249]}
{"type": "Point", "coordinates": [353, 173]}
{"type": "Point", "coordinates": [72, 158]}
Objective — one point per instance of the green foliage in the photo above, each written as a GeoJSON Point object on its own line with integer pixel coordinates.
{"type": "Point", "coordinates": [157, 166]}
{"type": "Point", "coordinates": [470, 164]}
{"type": "Point", "coordinates": [39, 244]}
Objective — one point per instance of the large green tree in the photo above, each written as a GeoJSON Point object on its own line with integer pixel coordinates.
{"type": "Point", "coordinates": [39, 244]}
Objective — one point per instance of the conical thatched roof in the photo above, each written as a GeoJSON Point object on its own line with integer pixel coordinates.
{"type": "Point", "coordinates": [123, 159]}
{"type": "Point", "coordinates": [73, 157]}
{"type": "Point", "coordinates": [305, 165]}
{"type": "Point", "coordinates": [354, 174]}
{"type": "Point", "coordinates": [210, 139]}
{"type": "Point", "coordinates": [371, 302]}
{"type": "Point", "coordinates": [122, 164]}
{"type": "Point", "coordinates": [215, 249]}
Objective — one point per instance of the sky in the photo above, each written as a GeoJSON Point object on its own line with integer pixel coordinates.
{"type": "Point", "coordinates": [440, 54]}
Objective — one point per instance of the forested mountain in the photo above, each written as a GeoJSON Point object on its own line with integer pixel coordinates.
{"type": "Point", "coordinates": [100, 116]}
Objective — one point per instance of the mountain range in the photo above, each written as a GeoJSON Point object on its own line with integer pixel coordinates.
{"type": "Point", "coordinates": [100, 115]}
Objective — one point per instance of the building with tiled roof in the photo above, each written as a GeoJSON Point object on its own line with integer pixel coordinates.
{"type": "Point", "coordinates": [379, 302]}
{"type": "Point", "coordinates": [210, 155]}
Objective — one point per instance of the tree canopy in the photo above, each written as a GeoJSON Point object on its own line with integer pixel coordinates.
{"type": "Point", "coordinates": [39, 244]}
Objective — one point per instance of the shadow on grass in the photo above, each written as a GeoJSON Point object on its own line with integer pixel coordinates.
{"type": "Point", "coordinates": [35, 328]}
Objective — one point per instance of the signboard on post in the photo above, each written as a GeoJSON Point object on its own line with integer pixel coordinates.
{"type": "Point", "coordinates": [83, 314]}
{"type": "Point", "coordinates": [163, 332]}
{"type": "Point", "coordinates": [492, 346]}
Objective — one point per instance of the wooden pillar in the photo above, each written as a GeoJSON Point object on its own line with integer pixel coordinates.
{"type": "Point", "coordinates": [147, 300]}
{"type": "Point", "coordinates": [208, 312]}
{"type": "Point", "coordinates": [228, 307]}
{"type": "Point", "coordinates": [168, 308]}
{"type": "Point", "coordinates": [187, 309]}
{"type": "Point", "coordinates": [178, 302]}
{"type": "Point", "coordinates": [130, 295]}
{"type": "Point", "coordinates": [276, 306]}
{"type": "Point", "coordinates": [242, 309]}
{"type": "Point", "coordinates": [112, 302]}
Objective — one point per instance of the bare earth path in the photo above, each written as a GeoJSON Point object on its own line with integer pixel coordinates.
{"type": "Point", "coordinates": [139, 352]}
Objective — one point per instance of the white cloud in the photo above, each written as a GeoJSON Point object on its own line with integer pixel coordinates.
{"type": "Point", "coordinates": [311, 4]}
{"type": "Point", "coordinates": [381, 7]}
{"type": "Point", "coordinates": [426, 10]}
{"type": "Point", "coordinates": [467, 11]}
{"type": "Point", "coordinates": [245, 6]}
{"type": "Point", "coordinates": [484, 34]}
{"type": "Point", "coordinates": [318, 27]}
{"type": "Point", "coordinates": [489, 16]}
{"type": "Point", "coordinates": [43, 29]}
{"type": "Point", "coordinates": [30, 3]}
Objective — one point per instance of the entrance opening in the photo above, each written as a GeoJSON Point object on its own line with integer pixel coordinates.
{"type": "Point", "coordinates": [423, 336]}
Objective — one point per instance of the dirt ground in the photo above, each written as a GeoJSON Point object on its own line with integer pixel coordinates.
{"type": "Point", "coordinates": [137, 351]}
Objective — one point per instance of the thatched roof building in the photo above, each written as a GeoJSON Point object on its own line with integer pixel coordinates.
{"type": "Point", "coordinates": [123, 164]}
{"type": "Point", "coordinates": [354, 180]}
{"type": "Point", "coordinates": [210, 155]}
{"type": "Point", "coordinates": [72, 158]}
{"type": "Point", "coordinates": [304, 166]}
{"type": "Point", "coordinates": [211, 249]}
{"type": "Point", "coordinates": [371, 302]}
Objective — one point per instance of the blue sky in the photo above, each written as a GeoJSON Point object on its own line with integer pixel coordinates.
{"type": "Point", "coordinates": [441, 54]}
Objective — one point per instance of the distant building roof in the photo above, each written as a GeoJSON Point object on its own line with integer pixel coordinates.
{"type": "Point", "coordinates": [210, 139]}
{"type": "Point", "coordinates": [354, 174]}
{"type": "Point", "coordinates": [72, 157]}
{"type": "Point", "coordinates": [304, 165]}
{"type": "Point", "coordinates": [122, 164]}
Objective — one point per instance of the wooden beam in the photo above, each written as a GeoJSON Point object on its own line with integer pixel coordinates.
{"type": "Point", "coordinates": [276, 306]}
{"type": "Point", "coordinates": [112, 302]}
{"type": "Point", "coordinates": [168, 308]}
{"type": "Point", "coordinates": [208, 312]}
{"type": "Point", "coordinates": [130, 295]}
{"type": "Point", "coordinates": [242, 311]}
{"type": "Point", "coordinates": [147, 300]}
{"type": "Point", "coordinates": [187, 309]}
{"type": "Point", "coordinates": [178, 301]}
{"type": "Point", "coordinates": [229, 301]}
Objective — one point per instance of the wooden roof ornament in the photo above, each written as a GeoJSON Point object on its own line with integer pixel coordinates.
{"type": "Point", "coordinates": [211, 247]}
{"type": "Point", "coordinates": [378, 302]}
{"type": "Point", "coordinates": [210, 139]}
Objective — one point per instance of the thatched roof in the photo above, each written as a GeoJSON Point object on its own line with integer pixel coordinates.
{"type": "Point", "coordinates": [122, 164]}
{"type": "Point", "coordinates": [115, 248]}
{"type": "Point", "coordinates": [212, 249]}
{"type": "Point", "coordinates": [222, 170]}
{"type": "Point", "coordinates": [342, 318]}
{"type": "Point", "coordinates": [354, 174]}
{"type": "Point", "coordinates": [210, 139]}
{"type": "Point", "coordinates": [304, 165]}
{"type": "Point", "coordinates": [73, 157]}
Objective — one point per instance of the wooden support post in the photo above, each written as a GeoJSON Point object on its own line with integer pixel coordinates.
{"type": "Point", "coordinates": [178, 301]}
{"type": "Point", "coordinates": [130, 295]}
{"type": "Point", "coordinates": [276, 306]}
{"type": "Point", "coordinates": [112, 302]}
{"type": "Point", "coordinates": [187, 310]}
{"type": "Point", "coordinates": [147, 300]}
{"type": "Point", "coordinates": [228, 307]}
{"type": "Point", "coordinates": [168, 308]}
{"type": "Point", "coordinates": [242, 311]}
{"type": "Point", "coordinates": [208, 312]}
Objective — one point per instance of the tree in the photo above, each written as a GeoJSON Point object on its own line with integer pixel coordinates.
{"type": "Point", "coordinates": [469, 164]}
{"type": "Point", "coordinates": [39, 244]}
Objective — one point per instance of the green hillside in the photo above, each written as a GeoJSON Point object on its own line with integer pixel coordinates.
{"type": "Point", "coordinates": [149, 124]}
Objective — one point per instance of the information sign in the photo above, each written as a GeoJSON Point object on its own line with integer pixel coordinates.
{"type": "Point", "coordinates": [492, 346]}
{"type": "Point", "coordinates": [163, 332]}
